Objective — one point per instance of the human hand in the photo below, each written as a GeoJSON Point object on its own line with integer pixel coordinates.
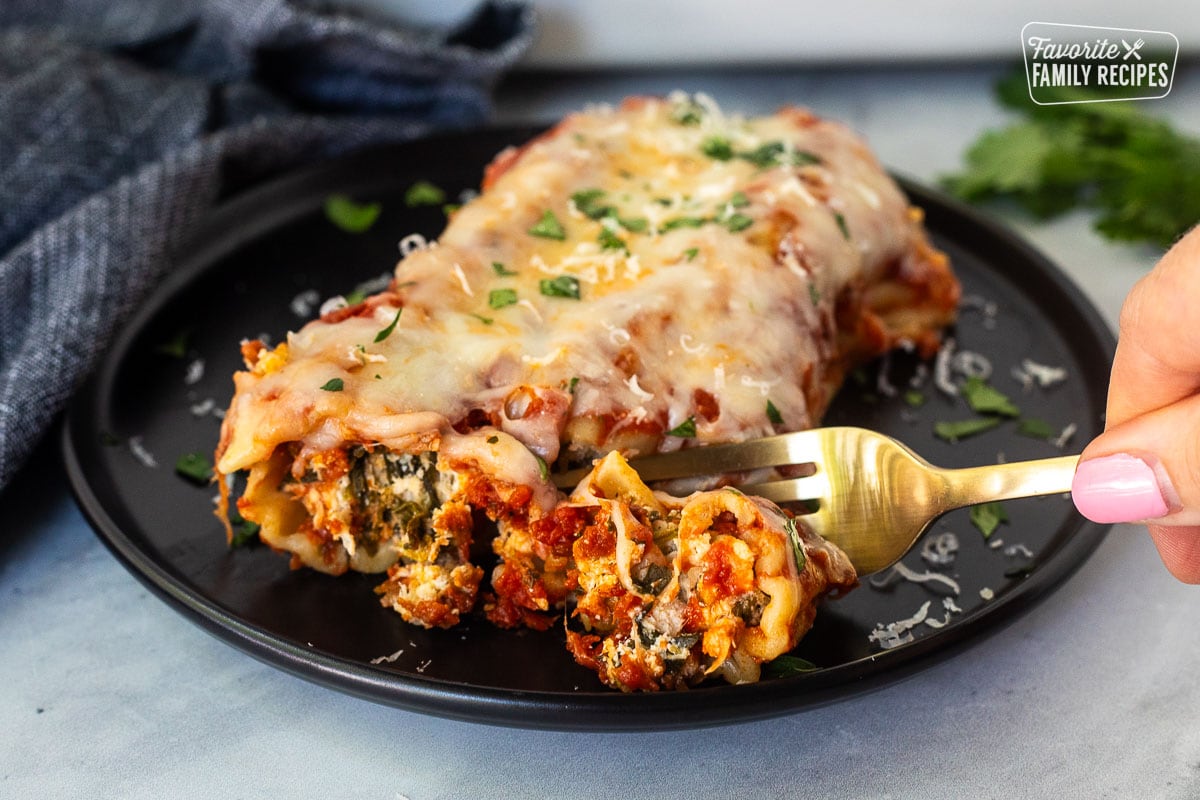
{"type": "Point", "coordinates": [1145, 467]}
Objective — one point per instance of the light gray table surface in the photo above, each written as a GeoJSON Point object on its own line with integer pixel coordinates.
{"type": "Point", "coordinates": [105, 691]}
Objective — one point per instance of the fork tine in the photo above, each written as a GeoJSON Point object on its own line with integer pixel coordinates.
{"type": "Point", "coordinates": [800, 447]}
{"type": "Point", "coordinates": [790, 490]}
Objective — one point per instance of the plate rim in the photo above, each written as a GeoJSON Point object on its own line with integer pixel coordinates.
{"type": "Point", "coordinates": [605, 710]}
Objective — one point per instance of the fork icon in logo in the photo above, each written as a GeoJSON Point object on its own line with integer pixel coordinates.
{"type": "Point", "coordinates": [1132, 49]}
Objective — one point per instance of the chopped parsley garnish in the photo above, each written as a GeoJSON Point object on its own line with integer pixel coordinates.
{"type": "Point", "coordinates": [493, 439]}
{"type": "Point", "coordinates": [774, 154]}
{"type": "Point", "coordinates": [738, 222]}
{"type": "Point", "coordinates": [543, 468]}
{"type": "Point", "coordinates": [682, 222]}
{"type": "Point", "coordinates": [691, 253]}
{"type": "Point", "coordinates": [481, 318]}
{"type": "Point", "coordinates": [717, 147]}
{"type": "Point", "coordinates": [499, 298]}
{"type": "Point", "coordinates": [915, 398]}
{"type": "Point", "coordinates": [333, 385]}
{"type": "Point", "coordinates": [840, 219]}
{"type": "Point", "coordinates": [573, 383]}
{"type": "Point", "coordinates": [773, 414]}
{"type": "Point", "coordinates": [350, 216]}
{"type": "Point", "coordinates": [449, 208]}
{"type": "Point", "coordinates": [502, 270]}
{"type": "Point", "coordinates": [386, 332]}
{"type": "Point", "coordinates": [788, 667]}
{"type": "Point", "coordinates": [176, 346]}
{"type": "Point", "coordinates": [739, 200]}
{"type": "Point", "coordinates": [195, 467]}
{"type": "Point", "coordinates": [634, 225]}
{"type": "Point", "coordinates": [610, 241]}
{"type": "Point", "coordinates": [987, 517]}
{"type": "Point", "coordinates": [797, 544]}
{"type": "Point", "coordinates": [687, 112]}
{"type": "Point", "coordinates": [961, 429]}
{"type": "Point", "coordinates": [685, 429]}
{"type": "Point", "coordinates": [589, 203]}
{"type": "Point", "coordinates": [424, 193]}
{"type": "Point", "coordinates": [1036, 428]}
{"type": "Point", "coordinates": [548, 227]}
{"type": "Point", "coordinates": [983, 398]}
{"type": "Point", "coordinates": [562, 286]}
{"type": "Point", "coordinates": [763, 156]}
{"type": "Point", "coordinates": [245, 534]}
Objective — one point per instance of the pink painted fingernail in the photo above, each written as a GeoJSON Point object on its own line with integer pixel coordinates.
{"type": "Point", "coordinates": [1118, 488]}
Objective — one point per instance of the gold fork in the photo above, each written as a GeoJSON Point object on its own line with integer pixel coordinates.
{"type": "Point", "coordinates": [874, 496]}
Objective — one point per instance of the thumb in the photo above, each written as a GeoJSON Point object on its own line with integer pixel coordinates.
{"type": "Point", "coordinates": [1147, 469]}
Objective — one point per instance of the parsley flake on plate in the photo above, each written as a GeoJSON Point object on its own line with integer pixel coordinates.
{"type": "Point", "coordinates": [987, 517]}
{"type": "Point", "coordinates": [786, 666]}
{"type": "Point", "coordinates": [961, 429]}
{"type": "Point", "coordinates": [984, 398]}
{"type": "Point", "coordinates": [1036, 428]}
{"type": "Point", "coordinates": [195, 467]}
{"type": "Point", "coordinates": [176, 346]}
{"type": "Point", "coordinates": [424, 193]}
{"type": "Point", "coordinates": [351, 216]}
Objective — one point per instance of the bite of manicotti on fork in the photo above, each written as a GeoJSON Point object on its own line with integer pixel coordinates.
{"type": "Point", "coordinates": [662, 592]}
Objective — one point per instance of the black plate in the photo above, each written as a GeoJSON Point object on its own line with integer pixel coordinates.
{"type": "Point", "coordinates": [265, 248]}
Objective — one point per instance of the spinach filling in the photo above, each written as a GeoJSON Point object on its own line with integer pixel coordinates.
{"type": "Point", "coordinates": [393, 495]}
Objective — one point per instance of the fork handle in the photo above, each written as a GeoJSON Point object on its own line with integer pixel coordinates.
{"type": "Point", "coordinates": [973, 485]}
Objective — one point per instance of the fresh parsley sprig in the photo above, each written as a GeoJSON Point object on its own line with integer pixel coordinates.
{"type": "Point", "coordinates": [1139, 174]}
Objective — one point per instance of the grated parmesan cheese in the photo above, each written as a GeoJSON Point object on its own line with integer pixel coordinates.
{"type": "Point", "coordinates": [900, 571]}
{"type": "Point", "coordinates": [412, 243]}
{"type": "Point", "coordinates": [138, 448]}
{"type": "Point", "coordinates": [303, 303]}
{"type": "Point", "coordinates": [195, 372]}
{"type": "Point", "coordinates": [894, 634]}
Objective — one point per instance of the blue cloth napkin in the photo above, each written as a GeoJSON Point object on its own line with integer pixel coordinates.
{"type": "Point", "coordinates": [123, 122]}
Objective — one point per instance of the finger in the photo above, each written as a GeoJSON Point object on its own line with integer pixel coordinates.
{"type": "Point", "coordinates": [1157, 361]}
{"type": "Point", "coordinates": [1146, 469]}
{"type": "Point", "coordinates": [1179, 547]}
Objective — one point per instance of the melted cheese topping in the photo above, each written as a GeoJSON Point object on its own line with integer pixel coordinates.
{"type": "Point", "coordinates": [709, 254]}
